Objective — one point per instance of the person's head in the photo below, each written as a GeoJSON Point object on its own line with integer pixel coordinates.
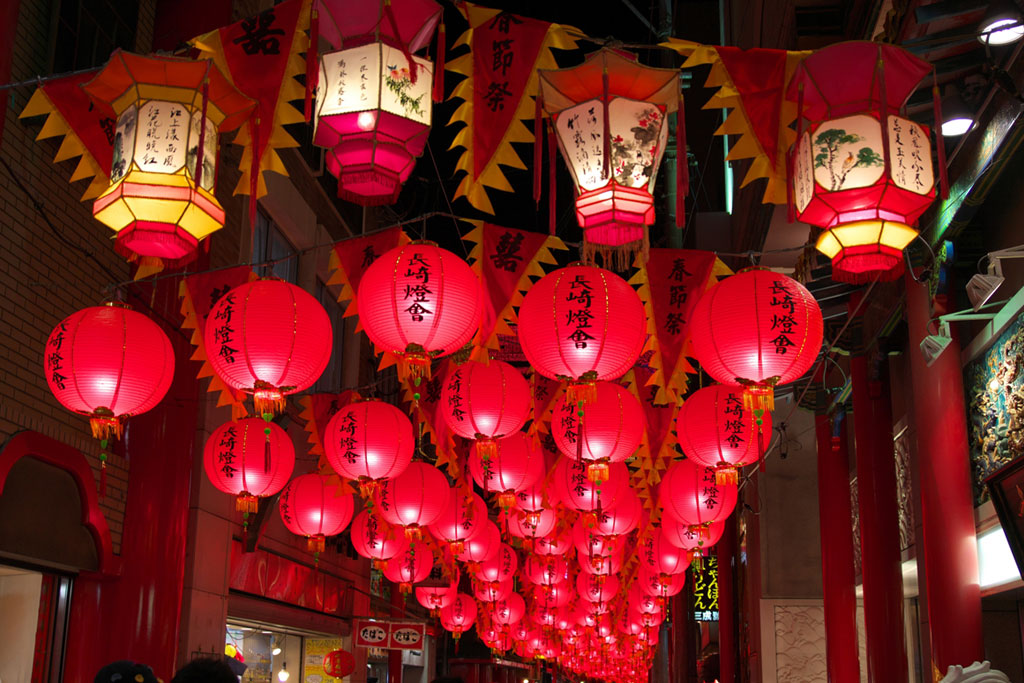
{"type": "Point", "coordinates": [205, 670]}
{"type": "Point", "coordinates": [125, 671]}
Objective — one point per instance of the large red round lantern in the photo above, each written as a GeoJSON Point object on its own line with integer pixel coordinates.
{"type": "Point", "coordinates": [554, 595]}
{"type": "Point", "coordinates": [756, 329]}
{"type": "Point", "coordinates": [690, 493]}
{"type": "Point", "coordinates": [375, 539]}
{"type": "Point", "coordinates": [268, 338]}
{"type": "Point", "coordinates": [602, 566]}
{"type": "Point", "coordinates": [486, 591]}
{"type": "Point", "coordinates": [462, 518]}
{"type": "Point", "coordinates": [545, 570]}
{"type": "Point", "coordinates": [684, 536]}
{"type": "Point", "coordinates": [416, 498]}
{"type": "Point", "coordinates": [410, 565]}
{"type": "Point", "coordinates": [369, 441]}
{"type": "Point", "coordinates": [861, 171]}
{"type": "Point", "coordinates": [532, 525]}
{"type": "Point", "coordinates": [434, 598]}
{"type": "Point", "coordinates": [485, 402]}
{"type": "Point", "coordinates": [554, 543]}
{"type": "Point", "coordinates": [609, 430]}
{"type": "Point", "coordinates": [339, 663]}
{"type": "Point", "coordinates": [716, 430]}
{"type": "Point", "coordinates": [593, 588]}
{"type": "Point", "coordinates": [499, 567]}
{"type": "Point", "coordinates": [419, 301]}
{"type": "Point", "coordinates": [107, 363]}
{"type": "Point", "coordinates": [316, 506]}
{"type": "Point", "coordinates": [459, 615]}
{"type": "Point", "coordinates": [661, 557]}
{"type": "Point", "coordinates": [482, 546]}
{"type": "Point", "coordinates": [508, 611]}
{"type": "Point", "coordinates": [622, 518]}
{"type": "Point", "coordinates": [582, 324]}
{"type": "Point", "coordinates": [249, 459]}
{"type": "Point", "coordinates": [589, 543]}
{"type": "Point", "coordinates": [517, 464]}
{"type": "Point", "coordinates": [659, 585]}
{"type": "Point", "coordinates": [576, 490]}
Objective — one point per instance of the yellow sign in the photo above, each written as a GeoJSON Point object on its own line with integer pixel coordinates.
{"type": "Point", "coordinates": [313, 659]}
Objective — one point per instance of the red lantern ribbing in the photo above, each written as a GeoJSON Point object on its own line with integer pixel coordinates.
{"type": "Point", "coordinates": [434, 598]}
{"type": "Point", "coordinates": [249, 459]}
{"type": "Point", "coordinates": [410, 565]}
{"type": "Point", "coordinates": [375, 539]}
{"type": "Point", "coordinates": [690, 493]}
{"type": "Point", "coordinates": [594, 588]}
{"type": "Point", "coordinates": [509, 611]}
{"type": "Point", "coordinates": [545, 570]}
{"type": "Point", "coordinates": [578, 492]}
{"type": "Point", "coordinates": [622, 518]}
{"type": "Point", "coordinates": [268, 338]}
{"type": "Point", "coordinates": [661, 557]}
{"type": "Point", "coordinates": [460, 615]}
{"type": "Point", "coordinates": [532, 525]}
{"type": "Point", "coordinates": [660, 585]}
{"type": "Point", "coordinates": [716, 430]}
{"type": "Point", "coordinates": [582, 324]}
{"type": "Point", "coordinates": [485, 591]}
{"type": "Point", "coordinates": [501, 566]}
{"type": "Point", "coordinates": [418, 302]}
{"type": "Point", "coordinates": [369, 441]}
{"type": "Point", "coordinates": [416, 498]}
{"type": "Point", "coordinates": [756, 329]}
{"type": "Point", "coordinates": [107, 363]}
{"type": "Point", "coordinates": [485, 402]}
{"type": "Point", "coordinates": [684, 536]}
{"type": "Point", "coordinates": [339, 663]}
{"type": "Point", "coordinates": [518, 464]}
{"type": "Point", "coordinates": [555, 543]}
{"type": "Point", "coordinates": [481, 547]}
{"type": "Point", "coordinates": [609, 430]}
{"type": "Point", "coordinates": [316, 506]}
{"type": "Point", "coordinates": [462, 518]}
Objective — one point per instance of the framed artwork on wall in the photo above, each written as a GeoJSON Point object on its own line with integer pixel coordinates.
{"type": "Point", "coordinates": [1006, 487]}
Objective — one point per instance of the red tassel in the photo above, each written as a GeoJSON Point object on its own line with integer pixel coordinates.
{"type": "Point", "coordinates": [439, 66]}
{"type": "Point", "coordinates": [940, 143]}
{"type": "Point", "coordinates": [312, 72]}
{"type": "Point", "coordinates": [552, 148]}
{"type": "Point", "coordinates": [198, 175]}
{"type": "Point", "coordinates": [682, 166]}
{"type": "Point", "coordinates": [538, 148]}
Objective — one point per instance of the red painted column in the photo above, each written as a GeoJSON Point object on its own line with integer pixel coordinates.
{"type": "Point", "coordinates": [879, 525]}
{"type": "Point", "coordinates": [836, 523]}
{"type": "Point", "coordinates": [395, 656]}
{"type": "Point", "coordinates": [950, 549]}
{"type": "Point", "coordinates": [726, 549]}
{"type": "Point", "coordinates": [136, 615]}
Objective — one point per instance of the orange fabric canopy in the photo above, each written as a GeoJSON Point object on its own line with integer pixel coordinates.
{"type": "Point", "coordinates": [564, 88]}
{"type": "Point", "coordinates": [411, 22]}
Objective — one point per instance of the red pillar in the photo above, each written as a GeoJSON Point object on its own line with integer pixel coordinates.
{"type": "Point", "coordinates": [725, 549]}
{"type": "Point", "coordinates": [879, 526]}
{"type": "Point", "coordinates": [950, 549]}
{"type": "Point", "coordinates": [835, 516]}
{"type": "Point", "coordinates": [395, 656]}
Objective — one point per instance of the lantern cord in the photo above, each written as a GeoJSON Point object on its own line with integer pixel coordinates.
{"type": "Point", "coordinates": [447, 200]}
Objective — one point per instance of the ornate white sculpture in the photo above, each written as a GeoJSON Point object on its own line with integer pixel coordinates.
{"type": "Point", "coordinates": [979, 672]}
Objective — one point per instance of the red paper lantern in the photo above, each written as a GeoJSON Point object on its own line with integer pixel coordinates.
{"type": "Point", "coordinates": [690, 493]}
{"type": "Point", "coordinates": [462, 518]}
{"type": "Point", "coordinates": [556, 594]}
{"type": "Point", "coordinates": [545, 570]}
{"type": "Point", "coordinates": [499, 567]}
{"type": "Point", "coordinates": [756, 329]}
{"type": "Point", "coordinates": [627, 624]}
{"type": "Point", "coordinates": [684, 536]}
{"type": "Point", "coordinates": [268, 338]}
{"type": "Point", "coordinates": [108, 363]}
{"type": "Point", "coordinates": [414, 499]}
{"type": "Point", "coordinates": [593, 588]}
{"type": "Point", "coordinates": [603, 566]}
{"type": "Point", "coordinates": [589, 543]}
{"type": "Point", "coordinates": [316, 506]}
{"type": "Point", "coordinates": [642, 603]}
{"type": "Point", "coordinates": [460, 615]}
{"type": "Point", "coordinates": [339, 663]}
{"type": "Point", "coordinates": [582, 324]}
{"type": "Point", "coordinates": [577, 491]}
{"type": "Point", "coordinates": [517, 464]}
{"type": "Point", "coordinates": [249, 459]}
{"type": "Point", "coordinates": [554, 543]}
{"type": "Point", "coordinates": [716, 430]}
{"type": "Point", "coordinates": [486, 591]}
{"type": "Point", "coordinates": [622, 518]}
{"type": "Point", "coordinates": [410, 565]}
{"type": "Point", "coordinates": [418, 302]}
{"type": "Point", "coordinates": [609, 430]}
{"type": "Point", "coordinates": [661, 557]}
{"type": "Point", "coordinates": [369, 441]}
{"type": "Point", "coordinates": [374, 538]}
{"type": "Point", "coordinates": [508, 611]}
{"type": "Point", "coordinates": [861, 171]}
{"type": "Point", "coordinates": [483, 546]}
{"type": "Point", "coordinates": [610, 116]}
{"type": "Point", "coordinates": [660, 585]}
{"type": "Point", "coordinates": [434, 598]}
{"type": "Point", "coordinates": [532, 498]}
{"type": "Point", "coordinates": [532, 525]}
{"type": "Point", "coordinates": [373, 111]}
{"type": "Point", "coordinates": [485, 402]}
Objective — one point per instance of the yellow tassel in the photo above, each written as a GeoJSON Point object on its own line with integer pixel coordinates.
{"type": "Point", "coordinates": [413, 533]}
{"type": "Point", "coordinates": [507, 500]}
{"type": "Point", "coordinates": [316, 543]}
{"type": "Point", "coordinates": [486, 447]}
{"type": "Point", "coordinates": [726, 476]}
{"type": "Point", "coordinates": [457, 547]}
{"type": "Point", "coordinates": [414, 365]}
{"type": "Point", "coordinates": [246, 502]}
{"type": "Point", "coordinates": [598, 471]}
{"type": "Point", "coordinates": [582, 391]}
{"type": "Point", "coordinates": [759, 395]}
{"type": "Point", "coordinates": [267, 399]}
{"type": "Point", "coordinates": [105, 424]}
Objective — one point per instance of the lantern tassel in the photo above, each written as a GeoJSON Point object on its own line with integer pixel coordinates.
{"type": "Point", "coordinates": [682, 166]}
{"type": "Point", "coordinates": [552, 204]}
{"type": "Point", "coordinates": [940, 143]}
{"type": "Point", "coordinates": [486, 447]}
{"type": "Point", "coordinates": [267, 399]}
{"type": "Point", "coordinates": [316, 543]}
{"type": "Point", "coordinates": [538, 143]}
{"type": "Point", "coordinates": [312, 72]}
{"type": "Point", "coordinates": [104, 425]}
{"type": "Point", "coordinates": [582, 391]}
{"type": "Point", "coordinates": [414, 365]}
{"type": "Point", "coordinates": [439, 65]}
{"type": "Point", "coordinates": [103, 472]}
{"type": "Point", "coordinates": [726, 476]}
{"type": "Point", "coordinates": [758, 395]}
{"type": "Point", "coordinates": [246, 502]}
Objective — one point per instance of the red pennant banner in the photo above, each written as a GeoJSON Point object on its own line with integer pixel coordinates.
{"type": "Point", "coordinates": [198, 295]}
{"type": "Point", "coordinates": [760, 78]}
{"type": "Point", "coordinates": [350, 258]}
{"type": "Point", "coordinates": [317, 410]}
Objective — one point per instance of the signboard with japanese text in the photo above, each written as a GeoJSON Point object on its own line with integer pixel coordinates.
{"type": "Point", "coordinates": [389, 635]}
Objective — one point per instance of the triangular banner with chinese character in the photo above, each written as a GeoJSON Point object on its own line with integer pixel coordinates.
{"type": "Point", "coordinates": [751, 84]}
{"type": "Point", "coordinates": [504, 259]}
{"type": "Point", "coordinates": [261, 56]}
{"type": "Point", "coordinates": [429, 417]}
{"type": "Point", "coordinates": [350, 258]}
{"type": "Point", "coordinates": [87, 132]}
{"type": "Point", "coordinates": [198, 295]}
{"type": "Point", "coordinates": [497, 94]}
{"type": "Point", "coordinates": [670, 284]}
{"type": "Point", "coordinates": [317, 410]}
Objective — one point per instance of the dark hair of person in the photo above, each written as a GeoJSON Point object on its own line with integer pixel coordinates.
{"type": "Point", "coordinates": [205, 670]}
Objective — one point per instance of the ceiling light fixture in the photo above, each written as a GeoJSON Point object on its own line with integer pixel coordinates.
{"type": "Point", "coordinates": [1001, 25]}
{"type": "Point", "coordinates": [283, 674]}
{"type": "Point", "coordinates": [957, 117]}
{"type": "Point", "coordinates": [933, 345]}
{"type": "Point", "coordinates": [982, 286]}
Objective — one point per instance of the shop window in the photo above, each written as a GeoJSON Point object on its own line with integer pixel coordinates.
{"type": "Point", "coordinates": [274, 654]}
{"type": "Point", "coordinates": [89, 30]}
{"type": "Point", "coordinates": [270, 245]}
{"type": "Point", "coordinates": [330, 380]}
